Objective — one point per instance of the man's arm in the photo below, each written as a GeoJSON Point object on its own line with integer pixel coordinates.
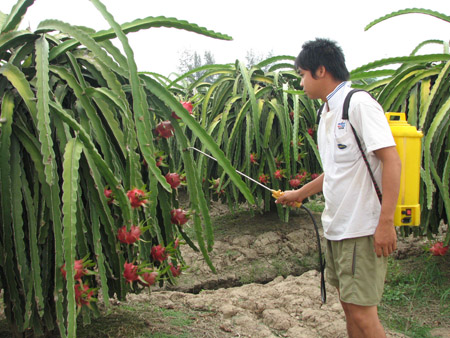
{"type": "Point", "coordinates": [385, 238]}
{"type": "Point", "coordinates": [291, 197]}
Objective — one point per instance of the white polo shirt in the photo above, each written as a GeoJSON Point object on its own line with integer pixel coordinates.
{"type": "Point", "coordinates": [352, 208]}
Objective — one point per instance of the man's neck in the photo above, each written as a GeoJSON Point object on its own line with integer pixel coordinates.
{"type": "Point", "coordinates": [328, 87]}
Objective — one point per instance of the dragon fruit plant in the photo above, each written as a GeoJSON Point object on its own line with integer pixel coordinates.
{"type": "Point", "coordinates": [76, 146]}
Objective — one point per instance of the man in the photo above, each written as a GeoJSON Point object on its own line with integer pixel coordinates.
{"type": "Point", "coordinates": [359, 230]}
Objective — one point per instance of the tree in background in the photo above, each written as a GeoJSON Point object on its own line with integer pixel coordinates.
{"type": "Point", "coordinates": [190, 60]}
{"type": "Point", "coordinates": [253, 58]}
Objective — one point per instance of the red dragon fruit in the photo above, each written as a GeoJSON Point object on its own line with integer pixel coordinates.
{"type": "Point", "coordinates": [295, 182]}
{"type": "Point", "coordinates": [160, 158]}
{"type": "Point", "coordinates": [130, 272]}
{"type": "Point", "coordinates": [253, 158]}
{"type": "Point", "coordinates": [176, 271]}
{"type": "Point", "coordinates": [83, 294]}
{"type": "Point", "coordinates": [186, 105]}
{"type": "Point", "coordinates": [164, 129]}
{"type": "Point", "coordinates": [148, 278]}
{"type": "Point", "coordinates": [301, 176]}
{"type": "Point", "coordinates": [129, 237]}
{"type": "Point", "coordinates": [159, 253]}
{"type": "Point", "coordinates": [279, 174]}
{"type": "Point", "coordinates": [179, 216]}
{"type": "Point", "coordinates": [109, 195]}
{"type": "Point", "coordinates": [176, 244]}
{"type": "Point", "coordinates": [173, 179]}
{"type": "Point", "coordinates": [264, 179]}
{"type": "Point", "coordinates": [314, 176]}
{"type": "Point", "coordinates": [137, 197]}
{"type": "Point", "coordinates": [438, 249]}
{"type": "Point", "coordinates": [79, 267]}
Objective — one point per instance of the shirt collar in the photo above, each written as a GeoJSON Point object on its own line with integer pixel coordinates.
{"type": "Point", "coordinates": [335, 98]}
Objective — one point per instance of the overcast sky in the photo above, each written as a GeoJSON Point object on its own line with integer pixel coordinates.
{"type": "Point", "coordinates": [259, 25]}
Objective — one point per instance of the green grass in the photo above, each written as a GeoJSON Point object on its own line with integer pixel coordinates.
{"type": "Point", "coordinates": [255, 269]}
{"type": "Point", "coordinates": [138, 319]}
{"type": "Point", "coordinates": [315, 203]}
{"type": "Point", "coordinates": [417, 291]}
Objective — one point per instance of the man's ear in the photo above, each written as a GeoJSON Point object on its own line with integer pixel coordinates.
{"type": "Point", "coordinates": [321, 71]}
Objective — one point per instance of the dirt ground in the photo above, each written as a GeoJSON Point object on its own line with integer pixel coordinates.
{"type": "Point", "coordinates": [267, 283]}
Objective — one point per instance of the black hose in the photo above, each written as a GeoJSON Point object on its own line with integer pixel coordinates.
{"type": "Point", "coordinates": [323, 291]}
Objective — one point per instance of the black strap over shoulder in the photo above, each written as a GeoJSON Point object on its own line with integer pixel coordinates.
{"type": "Point", "coordinates": [345, 117]}
{"type": "Point", "coordinates": [347, 102]}
{"type": "Point", "coordinates": [319, 113]}
{"type": "Point", "coordinates": [345, 107]}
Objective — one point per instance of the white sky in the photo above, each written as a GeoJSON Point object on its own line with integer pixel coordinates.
{"type": "Point", "coordinates": [261, 25]}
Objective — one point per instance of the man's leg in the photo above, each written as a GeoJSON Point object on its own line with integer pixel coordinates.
{"type": "Point", "coordinates": [359, 276]}
{"type": "Point", "coordinates": [362, 321]}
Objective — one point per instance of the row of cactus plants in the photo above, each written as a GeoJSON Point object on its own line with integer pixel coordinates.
{"type": "Point", "coordinates": [261, 121]}
{"type": "Point", "coordinates": [86, 172]}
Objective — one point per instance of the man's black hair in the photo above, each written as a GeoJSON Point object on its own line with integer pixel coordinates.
{"type": "Point", "coordinates": [323, 52]}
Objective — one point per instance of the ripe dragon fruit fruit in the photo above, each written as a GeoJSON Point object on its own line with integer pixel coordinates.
{"type": "Point", "coordinates": [159, 253]}
{"type": "Point", "coordinates": [79, 267]}
{"type": "Point", "coordinates": [148, 278]}
{"type": "Point", "coordinates": [264, 179]}
{"type": "Point", "coordinates": [173, 179]}
{"type": "Point", "coordinates": [129, 237]}
{"type": "Point", "coordinates": [130, 272]}
{"type": "Point", "coordinates": [438, 249]}
{"type": "Point", "coordinates": [186, 105]}
{"type": "Point", "coordinates": [302, 176]}
{"type": "Point", "coordinates": [179, 216]}
{"type": "Point", "coordinates": [279, 174]}
{"type": "Point", "coordinates": [176, 271]}
{"type": "Point", "coordinates": [137, 198]}
{"type": "Point", "coordinates": [164, 129]}
{"type": "Point", "coordinates": [295, 182]}
{"type": "Point", "coordinates": [253, 158]}
{"type": "Point", "coordinates": [83, 294]}
{"type": "Point", "coordinates": [109, 195]}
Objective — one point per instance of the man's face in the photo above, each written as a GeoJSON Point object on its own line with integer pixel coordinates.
{"type": "Point", "coordinates": [309, 83]}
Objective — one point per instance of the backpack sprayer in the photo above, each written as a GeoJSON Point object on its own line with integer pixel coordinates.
{"type": "Point", "coordinates": [408, 142]}
{"type": "Point", "coordinates": [276, 194]}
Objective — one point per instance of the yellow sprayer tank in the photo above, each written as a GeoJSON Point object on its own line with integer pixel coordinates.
{"type": "Point", "coordinates": [408, 140]}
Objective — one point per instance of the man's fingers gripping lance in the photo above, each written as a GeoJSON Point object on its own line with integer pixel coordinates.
{"type": "Point", "coordinates": [278, 193]}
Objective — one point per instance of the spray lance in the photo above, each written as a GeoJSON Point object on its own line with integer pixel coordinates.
{"type": "Point", "coordinates": [276, 194]}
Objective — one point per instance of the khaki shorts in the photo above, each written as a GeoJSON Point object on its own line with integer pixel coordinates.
{"type": "Point", "coordinates": [353, 267]}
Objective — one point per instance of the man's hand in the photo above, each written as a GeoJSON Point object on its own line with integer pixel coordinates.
{"type": "Point", "coordinates": [293, 198]}
{"type": "Point", "coordinates": [385, 239]}
{"type": "Point", "coordinates": [289, 197]}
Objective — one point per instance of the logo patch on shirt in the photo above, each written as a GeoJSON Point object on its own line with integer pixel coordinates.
{"type": "Point", "coordinates": [341, 125]}
{"type": "Point", "coordinates": [341, 146]}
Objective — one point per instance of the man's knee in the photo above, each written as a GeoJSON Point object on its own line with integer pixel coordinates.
{"type": "Point", "coordinates": [363, 316]}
